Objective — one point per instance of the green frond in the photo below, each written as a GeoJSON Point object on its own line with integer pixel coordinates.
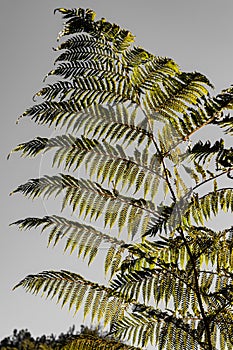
{"type": "Point", "coordinates": [71, 289]}
{"type": "Point", "coordinates": [100, 157]}
{"type": "Point", "coordinates": [84, 91]}
{"type": "Point", "coordinates": [223, 101]}
{"type": "Point", "coordinates": [155, 70]}
{"type": "Point", "coordinates": [202, 208]}
{"type": "Point", "coordinates": [59, 91]}
{"type": "Point", "coordinates": [113, 123]}
{"type": "Point", "coordinates": [84, 196]}
{"type": "Point", "coordinates": [79, 237]}
{"type": "Point", "coordinates": [147, 325]}
{"type": "Point", "coordinates": [88, 53]}
{"type": "Point", "coordinates": [81, 20]}
{"type": "Point", "coordinates": [81, 41]}
{"type": "Point", "coordinates": [89, 90]}
{"type": "Point", "coordinates": [89, 68]}
{"type": "Point", "coordinates": [110, 123]}
{"type": "Point", "coordinates": [51, 112]}
{"type": "Point", "coordinates": [177, 94]}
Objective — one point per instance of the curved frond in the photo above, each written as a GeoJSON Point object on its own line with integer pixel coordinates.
{"type": "Point", "coordinates": [147, 325]}
{"type": "Point", "coordinates": [92, 200]}
{"type": "Point", "coordinates": [202, 153]}
{"type": "Point", "coordinates": [226, 123]}
{"type": "Point", "coordinates": [178, 94]}
{"type": "Point", "coordinates": [81, 20]}
{"type": "Point", "coordinates": [84, 239]}
{"type": "Point", "coordinates": [100, 158]}
{"type": "Point", "coordinates": [72, 289]}
{"type": "Point", "coordinates": [201, 208]}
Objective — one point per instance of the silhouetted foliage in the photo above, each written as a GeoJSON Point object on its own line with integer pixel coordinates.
{"type": "Point", "coordinates": [23, 340]}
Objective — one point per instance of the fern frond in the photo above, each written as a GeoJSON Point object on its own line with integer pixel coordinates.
{"type": "Point", "coordinates": [91, 199]}
{"type": "Point", "coordinates": [90, 55]}
{"type": "Point", "coordinates": [51, 112]}
{"type": "Point", "coordinates": [81, 20]}
{"type": "Point", "coordinates": [147, 325]}
{"type": "Point", "coordinates": [83, 238]}
{"type": "Point", "coordinates": [91, 89]}
{"type": "Point", "coordinates": [89, 68]}
{"type": "Point", "coordinates": [72, 289]}
{"type": "Point", "coordinates": [177, 95]}
{"type": "Point", "coordinates": [155, 70]}
{"type": "Point", "coordinates": [107, 162]}
{"type": "Point", "coordinates": [226, 123]}
{"type": "Point", "coordinates": [84, 91]}
{"type": "Point", "coordinates": [202, 208]}
{"type": "Point", "coordinates": [59, 91]}
{"type": "Point", "coordinates": [114, 123]}
{"type": "Point", "coordinates": [81, 41]}
{"type": "Point", "coordinates": [203, 153]}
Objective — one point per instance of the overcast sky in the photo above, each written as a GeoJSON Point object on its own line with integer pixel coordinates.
{"type": "Point", "coordinates": [196, 34]}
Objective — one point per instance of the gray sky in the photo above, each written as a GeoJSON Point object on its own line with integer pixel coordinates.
{"type": "Point", "coordinates": [196, 34]}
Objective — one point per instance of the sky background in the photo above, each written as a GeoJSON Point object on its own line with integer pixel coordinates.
{"type": "Point", "coordinates": [196, 34]}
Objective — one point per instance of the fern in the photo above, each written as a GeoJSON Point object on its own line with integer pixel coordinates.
{"type": "Point", "coordinates": [91, 199]}
{"type": "Point", "coordinates": [73, 152]}
{"type": "Point", "coordinates": [204, 152]}
{"type": "Point", "coordinates": [83, 238]}
{"type": "Point", "coordinates": [71, 288]}
{"type": "Point", "coordinates": [127, 116]}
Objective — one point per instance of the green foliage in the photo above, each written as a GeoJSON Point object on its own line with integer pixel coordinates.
{"type": "Point", "coordinates": [131, 123]}
{"type": "Point", "coordinates": [87, 338]}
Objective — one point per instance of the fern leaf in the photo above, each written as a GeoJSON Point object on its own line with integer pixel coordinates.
{"type": "Point", "coordinates": [68, 287]}
{"type": "Point", "coordinates": [76, 235]}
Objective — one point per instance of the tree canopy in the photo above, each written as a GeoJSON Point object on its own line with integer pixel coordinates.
{"type": "Point", "coordinates": [129, 123]}
{"type": "Point", "coordinates": [86, 338]}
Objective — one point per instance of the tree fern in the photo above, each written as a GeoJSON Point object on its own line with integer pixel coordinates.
{"type": "Point", "coordinates": [129, 120]}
